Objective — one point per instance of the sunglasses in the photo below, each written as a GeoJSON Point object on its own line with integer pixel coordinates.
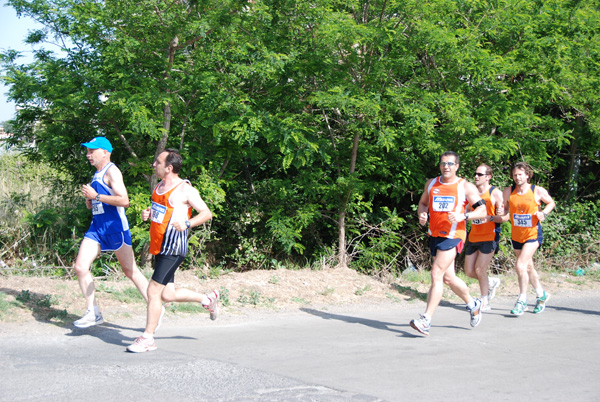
{"type": "Point", "coordinates": [449, 164]}
{"type": "Point", "coordinates": [480, 174]}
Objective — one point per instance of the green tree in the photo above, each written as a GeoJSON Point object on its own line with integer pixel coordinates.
{"type": "Point", "coordinates": [302, 122]}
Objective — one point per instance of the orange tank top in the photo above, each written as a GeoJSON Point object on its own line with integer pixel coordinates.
{"type": "Point", "coordinates": [164, 239]}
{"type": "Point", "coordinates": [444, 198]}
{"type": "Point", "coordinates": [522, 209]}
{"type": "Point", "coordinates": [485, 231]}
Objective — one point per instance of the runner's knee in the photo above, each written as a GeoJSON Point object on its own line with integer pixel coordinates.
{"type": "Point", "coordinates": [521, 268]}
{"type": "Point", "coordinates": [81, 269]}
{"type": "Point", "coordinates": [168, 298]}
{"type": "Point", "coordinates": [168, 295]}
{"type": "Point", "coordinates": [472, 273]}
{"type": "Point", "coordinates": [129, 272]}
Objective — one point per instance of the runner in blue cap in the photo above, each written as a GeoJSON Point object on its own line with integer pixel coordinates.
{"type": "Point", "coordinates": [107, 197]}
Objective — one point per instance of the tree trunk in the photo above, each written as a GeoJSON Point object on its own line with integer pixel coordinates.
{"type": "Point", "coordinates": [342, 252]}
{"type": "Point", "coordinates": [145, 257]}
{"type": "Point", "coordinates": [575, 159]}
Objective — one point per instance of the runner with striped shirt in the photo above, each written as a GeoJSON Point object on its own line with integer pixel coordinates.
{"type": "Point", "coordinates": [171, 220]}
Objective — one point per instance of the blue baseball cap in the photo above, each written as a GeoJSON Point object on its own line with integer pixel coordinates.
{"type": "Point", "coordinates": [99, 142]}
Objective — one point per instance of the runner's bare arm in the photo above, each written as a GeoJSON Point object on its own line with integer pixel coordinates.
{"type": "Point", "coordinates": [192, 198]}
{"type": "Point", "coordinates": [196, 202]}
{"type": "Point", "coordinates": [473, 197]}
{"type": "Point", "coordinates": [423, 209]}
{"type": "Point", "coordinates": [498, 201]}
{"type": "Point", "coordinates": [146, 214]}
{"type": "Point", "coordinates": [114, 179]}
{"type": "Point", "coordinates": [505, 216]}
{"type": "Point", "coordinates": [542, 194]}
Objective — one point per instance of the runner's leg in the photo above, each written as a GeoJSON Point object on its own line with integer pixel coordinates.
{"type": "Point", "coordinates": [88, 251]}
{"type": "Point", "coordinates": [130, 269]}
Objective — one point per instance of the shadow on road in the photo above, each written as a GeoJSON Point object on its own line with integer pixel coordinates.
{"type": "Point", "coordinates": [113, 334]}
{"type": "Point", "coordinates": [413, 294]}
{"type": "Point", "coordinates": [40, 306]}
{"type": "Point", "coordinates": [362, 321]}
{"type": "Point", "coordinates": [572, 310]}
{"type": "Point", "coordinates": [41, 309]}
{"type": "Point", "coordinates": [107, 332]}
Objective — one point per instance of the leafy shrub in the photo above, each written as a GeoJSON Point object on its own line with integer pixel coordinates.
{"type": "Point", "coordinates": [389, 246]}
{"type": "Point", "coordinates": [42, 214]}
{"type": "Point", "coordinates": [571, 236]}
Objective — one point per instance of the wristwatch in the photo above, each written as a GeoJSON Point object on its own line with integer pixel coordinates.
{"type": "Point", "coordinates": [188, 224]}
{"type": "Point", "coordinates": [98, 197]}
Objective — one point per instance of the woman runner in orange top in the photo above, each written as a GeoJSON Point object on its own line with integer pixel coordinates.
{"type": "Point", "coordinates": [523, 201]}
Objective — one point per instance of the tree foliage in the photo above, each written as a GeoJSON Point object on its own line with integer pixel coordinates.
{"type": "Point", "coordinates": [302, 122]}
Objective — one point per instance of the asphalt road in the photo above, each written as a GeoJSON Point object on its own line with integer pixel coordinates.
{"type": "Point", "coordinates": [317, 355]}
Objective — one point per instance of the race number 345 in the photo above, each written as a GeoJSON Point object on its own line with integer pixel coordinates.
{"type": "Point", "coordinates": [522, 220]}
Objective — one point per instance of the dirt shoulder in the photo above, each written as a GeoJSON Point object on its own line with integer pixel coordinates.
{"type": "Point", "coordinates": [246, 295]}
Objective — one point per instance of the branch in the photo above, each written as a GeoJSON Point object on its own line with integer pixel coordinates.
{"type": "Point", "coordinates": [128, 146]}
{"type": "Point", "coordinates": [223, 167]}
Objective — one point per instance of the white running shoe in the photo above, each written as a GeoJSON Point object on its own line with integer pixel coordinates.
{"type": "Point", "coordinates": [486, 307]}
{"type": "Point", "coordinates": [89, 319]}
{"type": "Point", "coordinates": [476, 313]}
{"type": "Point", "coordinates": [142, 344]}
{"type": "Point", "coordinates": [421, 324]}
{"type": "Point", "coordinates": [213, 306]}
{"type": "Point", "coordinates": [494, 285]}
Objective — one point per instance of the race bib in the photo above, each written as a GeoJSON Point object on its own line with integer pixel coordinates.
{"type": "Point", "coordinates": [97, 208]}
{"type": "Point", "coordinates": [443, 203]}
{"type": "Point", "coordinates": [158, 212]}
{"type": "Point", "coordinates": [522, 220]}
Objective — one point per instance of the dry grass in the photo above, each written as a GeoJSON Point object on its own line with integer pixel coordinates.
{"type": "Point", "coordinates": [244, 293]}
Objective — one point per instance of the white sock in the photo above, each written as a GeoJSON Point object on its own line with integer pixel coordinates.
{"type": "Point", "coordinates": [523, 297]}
{"type": "Point", "coordinates": [205, 301]}
{"type": "Point", "coordinates": [539, 292]}
{"type": "Point", "coordinates": [427, 317]}
{"type": "Point", "coordinates": [484, 299]}
{"type": "Point", "coordinates": [147, 335]}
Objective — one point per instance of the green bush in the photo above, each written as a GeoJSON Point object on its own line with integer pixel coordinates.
{"type": "Point", "coordinates": [571, 236]}
{"type": "Point", "coordinates": [389, 246]}
{"type": "Point", "coordinates": [42, 214]}
{"type": "Point", "coordinates": [44, 218]}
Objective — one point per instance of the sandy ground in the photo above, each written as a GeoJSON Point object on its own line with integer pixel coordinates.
{"type": "Point", "coordinates": [244, 295]}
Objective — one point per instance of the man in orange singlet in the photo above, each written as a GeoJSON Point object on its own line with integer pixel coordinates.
{"type": "Point", "coordinates": [443, 203]}
{"type": "Point", "coordinates": [482, 241]}
{"type": "Point", "coordinates": [523, 201]}
{"type": "Point", "coordinates": [172, 202]}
